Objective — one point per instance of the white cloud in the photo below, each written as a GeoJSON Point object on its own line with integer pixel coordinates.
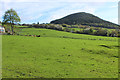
{"type": "Point", "coordinates": [73, 8]}
{"type": "Point", "coordinates": [30, 10]}
{"type": "Point", "coordinates": [33, 11]}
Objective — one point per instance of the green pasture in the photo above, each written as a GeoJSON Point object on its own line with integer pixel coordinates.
{"type": "Point", "coordinates": [53, 33]}
{"type": "Point", "coordinates": [58, 54]}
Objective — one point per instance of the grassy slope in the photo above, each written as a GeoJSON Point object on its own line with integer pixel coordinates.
{"type": "Point", "coordinates": [53, 33]}
{"type": "Point", "coordinates": [53, 56]}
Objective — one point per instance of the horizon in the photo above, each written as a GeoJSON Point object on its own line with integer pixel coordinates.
{"type": "Point", "coordinates": [45, 12]}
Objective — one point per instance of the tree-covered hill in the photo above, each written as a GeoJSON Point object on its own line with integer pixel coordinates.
{"type": "Point", "coordinates": [84, 19]}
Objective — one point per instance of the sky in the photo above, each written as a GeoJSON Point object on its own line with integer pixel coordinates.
{"type": "Point", "coordinates": [44, 11]}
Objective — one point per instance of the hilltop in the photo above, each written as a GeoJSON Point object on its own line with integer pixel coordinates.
{"type": "Point", "coordinates": [84, 19]}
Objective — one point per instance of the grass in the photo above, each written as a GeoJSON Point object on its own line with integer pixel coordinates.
{"type": "Point", "coordinates": [53, 33]}
{"type": "Point", "coordinates": [58, 54]}
{"type": "Point", "coordinates": [20, 26]}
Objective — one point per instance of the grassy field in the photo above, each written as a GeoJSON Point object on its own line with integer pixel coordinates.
{"type": "Point", "coordinates": [58, 54]}
{"type": "Point", "coordinates": [53, 33]}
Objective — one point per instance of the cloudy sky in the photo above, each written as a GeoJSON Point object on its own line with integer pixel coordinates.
{"type": "Point", "coordinates": [44, 11]}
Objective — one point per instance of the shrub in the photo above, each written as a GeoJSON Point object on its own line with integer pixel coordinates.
{"type": "Point", "coordinates": [64, 25]}
{"type": "Point", "coordinates": [87, 31]}
{"type": "Point", "coordinates": [113, 33]}
{"type": "Point", "coordinates": [101, 32]}
{"type": "Point", "coordinates": [66, 29]}
{"type": "Point", "coordinates": [72, 30]}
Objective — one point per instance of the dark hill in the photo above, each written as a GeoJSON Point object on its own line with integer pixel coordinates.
{"type": "Point", "coordinates": [85, 19]}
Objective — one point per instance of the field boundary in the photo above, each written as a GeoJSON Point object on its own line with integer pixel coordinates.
{"type": "Point", "coordinates": [76, 38]}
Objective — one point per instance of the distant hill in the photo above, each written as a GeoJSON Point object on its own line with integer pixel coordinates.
{"type": "Point", "coordinates": [84, 19]}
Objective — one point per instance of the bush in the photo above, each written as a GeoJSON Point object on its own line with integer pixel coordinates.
{"type": "Point", "coordinates": [113, 33]}
{"type": "Point", "coordinates": [88, 31]}
{"type": "Point", "coordinates": [64, 25]}
{"type": "Point", "coordinates": [101, 32]}
{"type": "Point", "coordinates": [66, 29]}
{"type": "Point", "coordinates": [73, 30]}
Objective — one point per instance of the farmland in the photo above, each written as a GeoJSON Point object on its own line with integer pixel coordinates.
{"type": "Point", "coordinates": [58, 54]}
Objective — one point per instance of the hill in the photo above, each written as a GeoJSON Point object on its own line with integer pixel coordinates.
{"type": "Point", "coordinates": [84, 19]}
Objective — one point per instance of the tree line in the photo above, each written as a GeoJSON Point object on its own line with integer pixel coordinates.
{"type": "Point", "coordinates": [81, 29]}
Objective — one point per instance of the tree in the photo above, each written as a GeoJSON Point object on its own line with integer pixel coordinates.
{"type": "Point", "coordinates": [38, 23]}
{"type": "Point", "coordinates": [91, 30]}
{"type": "Point", "coordinates": [11, 17]}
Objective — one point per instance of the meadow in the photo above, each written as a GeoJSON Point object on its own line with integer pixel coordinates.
{"type": "Point", "coordinates": [58, 54]}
